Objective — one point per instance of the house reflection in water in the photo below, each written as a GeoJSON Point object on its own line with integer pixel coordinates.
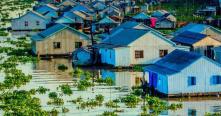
{"type": "Point", "coordinates": [196, 108]}
{"type": "Point", "coordinates": [123, 78]}
{"type": "Point", "coordinates": [52, 65]}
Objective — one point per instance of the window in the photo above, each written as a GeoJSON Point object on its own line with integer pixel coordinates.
{"type": "Point", "coordinates": [217, 79]}
{"type": "Point", "coordinates": [57, 45]}
{"type": "Point", "coordinates": [191, 112]}
{"type": "Point", "coordinates": [191, 81]}
{"type": "Point", "coordinates": [163, 53]}
{"type": "Point", "coordinates": [139, 54]}
{"type": "Point", "coordinates": [26, 23]}
{"type": "Point", "coordinates": [78, 44]}
{"type": "Point", "coordinates": [37, 23]}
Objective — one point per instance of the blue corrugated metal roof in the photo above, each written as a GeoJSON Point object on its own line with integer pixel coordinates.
{"type": "Point", "coordinates": [127, 33]}
{"type": "Point", "coordinates": [159, 13]}
{"type": "Point", "coordinates": [128, 24]}
{"type": "Point", "coordinates": [64, 20]}
{"type": "Point", "coordinates": [178, 60]}
{"type": "Point", "coordinates": [193, 27]}
{"type": "Point", "coordinates": [125, 37]}
{"type": "Point", "coordinates": [107, 20]}
{"type": "Point", "coordinates": [159, 69]}
{"type": "Point", "coordinates": [81, 7]}
{"type": "Point", "coordinates": [141, 16]}
{"type": "Point", "coordinates": [188, 38]}
{"type": "Point", "coordinates": [174, 62]}
{"type": "Point", "coordinates": [70, 15]}
{"type": "Point", "coordinates": [45, 8]}
{"type": "Point", "coordinates": [52, 30]}
{"type": "Point", "coordinates": [98, 5]}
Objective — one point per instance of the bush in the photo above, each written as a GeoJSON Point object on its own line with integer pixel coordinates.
{"type": "Point", "coordinates": [66, 89]}
{"type": "Point", "coordinates": [62, 67]}
{"type": "Point", "coordinates": [131, 100]}
{"type": "Point", "coordinates": [99, 98]}
{"type": "Point", "coordinates": [42, 90]}
{"type": "Point", "coordinates": [53, 95]}
{"type": "Point", "coordinates": [108, 113]}
{"type": "Point", "coordinates": [83, 85]}
{"type": "Point", "coordinates": [56, 101]}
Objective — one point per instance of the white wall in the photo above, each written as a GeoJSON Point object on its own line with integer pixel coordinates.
{"type": "Point", "coordinates": [150, 44]}
{"type": "Point", "coordinates": [203, 71]}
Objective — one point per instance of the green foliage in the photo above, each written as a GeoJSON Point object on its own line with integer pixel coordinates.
{"type": "Point", "coordinates": [77, 100]}
{"type": "Point", "coordinates": [157, 105]}
{"type": "Point", "coordinates": [108, 113]}
{"type": "Point", "coordinates": [65, 110]}
{"type": "Point", "coordinates": [42, 90]}
{"type": "Point", "coordinates": [138, 68]}
{"type": "Point", "coordinates": [90, 103]}
{"type": "Point", "coordinates": [111, 104]}
{"type": "Point", "coordinates": [78, 72]}
{"type": "Point", "coordinates": [3, 33]}
{"type": "Point", "coordinates": [213, 114]}
{"type": "Point", "coordinates": [56, 101]}
{"type": "Point", "coordinates": [15, 78]}
{"type": "Point", "coordinates": [99, 98]}
{"type": "Point", "coordinates": [131, 100]}
{"type": "Point", "coordinates": [66, 89]}
{"type": "Point", "coordinates": [109, 81]}
{"type": "Point", "coordinates": [62, 67]}
{"type": "Point", "coordinates": [53, 95]}
{"type": "Point", "coordinates": [82, 85]}
{"type": "Point", "coordinates": [54, 112]}
{"type": "Point", "coordinates": [21, 103]}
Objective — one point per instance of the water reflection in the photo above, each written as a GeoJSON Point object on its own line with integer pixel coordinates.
{"type": "Point", "coordinates": [196, 107]}
{"type": "Point", "coordinates": [123, 78]}
{"type": "Point", "coordinates": [52, 65]}
{"type": "Point", "coordinates": [45, 73]}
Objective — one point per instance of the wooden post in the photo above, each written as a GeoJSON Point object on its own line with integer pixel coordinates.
{"type": "Point", "coordinates": [38, 55]}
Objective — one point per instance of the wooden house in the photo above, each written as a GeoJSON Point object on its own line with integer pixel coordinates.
{"type": "Point", "coordinates": [58, 40]}
{"type": "Point", "coordinates": [199, 43]}
{"type": "Point", "coordinates": [185, 73]}
{"type": "Point", "coordinates": [165, 20]}
{"type": "Point", "coordinates": [48, 10]}
{"type": "Point", "coordinates": [66, 6]}
{"type": "Point", "coordinates": [128, 46]}
{"type": "Point", "coordinates": [200, 28]}
{"type": "Point", "coordinates": [76, 19]}
{"type": "Point", "coordinates": [30, 21]}
{"type": "Point", "coordinates": [49, 1]}
{"type": "Point", "coordinates": [98, 6]}
{"type": "Point", "coordinates": [110, 11]}
{"type": "Point", "coordinates": [106, 24]}
{"type": "Point", "coordinates": [84, 8]}
{"type": "Point", "coordinates": [217, 52]}
{"type": "Point", "coordinates": [207, 11]}
{"type": "Point", "coordinates": [142, 17]}
{"type": "Point", "coordinates": [159, 13]}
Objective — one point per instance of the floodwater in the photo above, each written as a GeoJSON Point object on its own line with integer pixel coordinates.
{"type": "Point", "coordinates": [45, 73]}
